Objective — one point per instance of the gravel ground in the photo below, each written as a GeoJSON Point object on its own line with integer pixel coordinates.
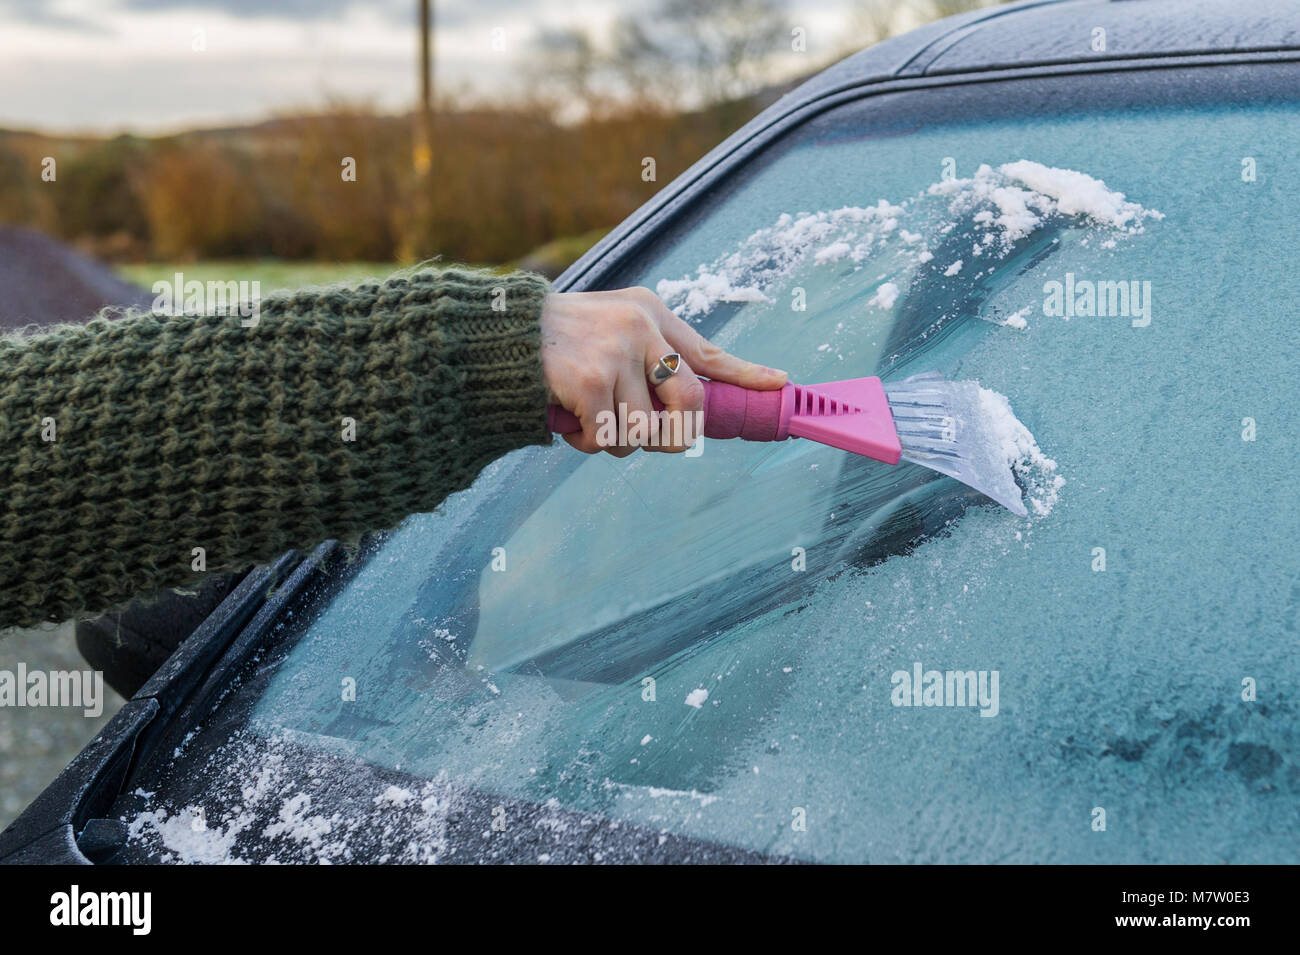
{"type": "Point", "coordinates": [36, 743]}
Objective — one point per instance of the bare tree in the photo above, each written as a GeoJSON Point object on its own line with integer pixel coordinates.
{"type": "Point", "coordinates": [567, 69]}
{"type": "Point", "coordinates": [708, 50]}
{"type": "Point", "coordinates": [694, 53]}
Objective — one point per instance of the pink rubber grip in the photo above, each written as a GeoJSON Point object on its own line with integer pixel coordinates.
{"type": "Point", "coordinates": [729, 412]}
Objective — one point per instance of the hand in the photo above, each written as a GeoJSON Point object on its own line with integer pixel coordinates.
{"type": "Point", "coordinates": [598, 349]}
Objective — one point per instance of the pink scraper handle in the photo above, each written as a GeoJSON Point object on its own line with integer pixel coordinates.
{"type": "Point", "coordinates": [729, 412]}
{"type": "Point", "coordinates": [852, 415]}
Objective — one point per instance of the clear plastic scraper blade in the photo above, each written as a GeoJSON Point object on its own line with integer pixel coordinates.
{"type": "Point", "coordinates": [943, 426]}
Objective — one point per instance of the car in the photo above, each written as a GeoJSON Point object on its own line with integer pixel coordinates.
{"type": "Point", "coordinates": [784, 653]}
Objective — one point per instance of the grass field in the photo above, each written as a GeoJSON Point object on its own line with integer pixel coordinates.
{"type": "Point", "coordinates": [273, 274]}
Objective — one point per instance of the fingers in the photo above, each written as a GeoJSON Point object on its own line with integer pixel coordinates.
{"type": "Point", "coordinates": [708, 359]}
{"type": "Point", "coordinates": [587, 440]}
{"type": "Point", "coordinates": [617, 421]}
{"type": "Point", "coordinates": [635, 411]}
{"type": "Point", "coordinates": [682, 396]}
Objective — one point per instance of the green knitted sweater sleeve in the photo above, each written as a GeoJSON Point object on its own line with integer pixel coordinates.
{"type": "Point", "coordinates": [127, 444]}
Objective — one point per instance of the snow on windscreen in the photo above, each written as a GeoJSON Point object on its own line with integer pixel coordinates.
{"type": "Point", "coordinates": [276, 804]}
{"type": "Point", "coordinates": [1017, 447]}
{"type": "Point", "coordinates": [997, 207]}
{"type": "Point", "coordinates": [982, 217]}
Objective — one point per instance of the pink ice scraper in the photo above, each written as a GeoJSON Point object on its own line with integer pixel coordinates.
{"type": "Point", "coordinates": [926, 420]}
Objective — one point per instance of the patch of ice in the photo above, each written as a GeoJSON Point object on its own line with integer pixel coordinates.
{"type": "Point", "coordinates": [410, 825]}
{"type": "Point", "coordinates": [189, 836]}
{"type": "Point", "coordinates": [1077, 193]}
{"type": "Point", "coordinates": [697, 697]}
{"type": "Point", "coordinates": [998, 205]}
{"type": "Point", "coordinates": [394, 796]}
{"type": "Point", "coordinates": [297, 825]}
{"type": "Point", "coordinates": [747, 274]}
{"type": "Point", "coordinates": [1037, 472]}
{"type": "Point", "coordinates": [833, 252]}
{"type": "Point", "coordinates": [698, 295]}
{"type": "Point", "coordinates": [885, 296]}
{"type": "Point", "coordinates": [660, 792]}
{"type": "Point", "coordinates": [1018, 319]}
{"type": "Point", "coordinates": [1024, 193]}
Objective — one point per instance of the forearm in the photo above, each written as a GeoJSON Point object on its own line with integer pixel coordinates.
{"type": "Point", "coordinates": [125, 445]}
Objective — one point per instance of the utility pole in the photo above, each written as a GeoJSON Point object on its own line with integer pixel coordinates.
{"type": "Point", "coordinates": [423, 155]}
{"type": "Point", "coordinates": [417, 242]}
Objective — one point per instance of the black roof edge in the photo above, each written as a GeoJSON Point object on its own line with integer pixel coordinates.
{"type": "Point", "coordinates": [625, 240]}
{"type": "Point", "coordinates": [963, 25]}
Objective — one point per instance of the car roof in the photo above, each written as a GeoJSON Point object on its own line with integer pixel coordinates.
{"type": "Point", "coordinates": [1032, 36]}
{"type": "Point", "coordinates": [1041, 32]}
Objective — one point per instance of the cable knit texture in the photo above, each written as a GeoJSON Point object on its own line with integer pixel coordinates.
{"type": "Point", "coordinates": [172, 433]}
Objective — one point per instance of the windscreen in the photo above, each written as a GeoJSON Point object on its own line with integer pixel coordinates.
{"type": "Point", "coordinates": [788, 649]}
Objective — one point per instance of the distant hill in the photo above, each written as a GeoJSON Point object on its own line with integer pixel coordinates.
{"type": "Point", "coordinates": [505, 183]}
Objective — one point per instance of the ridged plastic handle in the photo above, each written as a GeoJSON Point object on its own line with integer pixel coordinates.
{"type": "Point", "coordinates": [729, 412]}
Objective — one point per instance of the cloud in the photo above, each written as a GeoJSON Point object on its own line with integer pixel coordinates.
{"type": "Point", "coordinates": [448, 14]}
{"type": "Point", "coordinates": [453, 13]}
{"type": "Point", "coordinates": [48, 15]}
{"type": "Point", "coordinates": [280, 9]}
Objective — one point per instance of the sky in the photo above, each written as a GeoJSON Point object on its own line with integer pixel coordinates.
{"type": "Point", "coordinates": [152, 66]}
